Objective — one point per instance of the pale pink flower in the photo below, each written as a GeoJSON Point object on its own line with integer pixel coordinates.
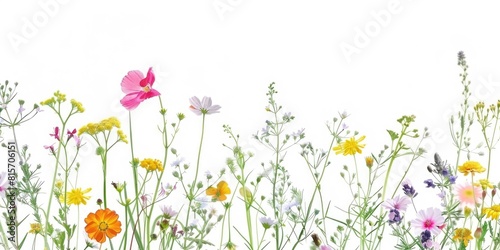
{"type": "Point", "coordinates": [467, 194]}
{"type": "Point", "coordinates": [399, 203]}
{"type": "Point", "coordinates": [137, 88]}
{"type": "Point", "coordinates": [204, 106]}
{"type": "Point", "coordinates": [430, 219]}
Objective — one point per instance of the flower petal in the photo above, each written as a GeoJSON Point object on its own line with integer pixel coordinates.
{"type": "Point", "coordinates": [150, 79]}
{"type": "Point", "coordinates": [131, 82]}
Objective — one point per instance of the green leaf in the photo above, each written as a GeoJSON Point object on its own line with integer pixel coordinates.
{"type": "Point", "coordinates": [393, 135]}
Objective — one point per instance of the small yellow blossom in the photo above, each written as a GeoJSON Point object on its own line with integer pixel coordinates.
{"type": "Point", "coordinates": [78, 105]}
{"type": "Point", "coordinates": [484, 184]}
{"type": "Point", "coordinates": [219, 193]}
{"type": "Point", "coordinates": [48, 102]}
{"type": "Point", "coordinates": [35, 228]}
{"type": "Point", "coordinates": [60, 97]}
{"type": "Point", "coordinates": [122, 136]}
{"type": "Point", "coordinates": [492, 212]}
{"type": "Point", "coordinates": [350, 146]}
{"type": "Point", "coordinates": [76, 197]}
{"type": "Point", "coordinates": [463, 235]}
{"type": "Point", "coordinates": [471, 167]}
{"type": "Point", "coordinates": [59, 183]}
{"type": "Point", "coordinates": [152, 164]}
{"type": "Point", "coordinates": [369, 161]}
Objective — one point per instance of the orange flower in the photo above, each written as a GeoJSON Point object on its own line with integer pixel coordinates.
{"type": "Point", "coordinates": [220, 192]}
{"type": "Point", "coordinates": [102, 223]}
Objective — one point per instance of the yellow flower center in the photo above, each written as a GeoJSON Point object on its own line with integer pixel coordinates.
{"type": "Point", "coordinates": [103, 226]}
{"type": "Point", "coordinates": [146, 88]}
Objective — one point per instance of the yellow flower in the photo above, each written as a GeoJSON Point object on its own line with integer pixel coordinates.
{"type": "Point", "coordinates": [151, 164]}
{"type": "Point", "coordinates": [484, 183]}
{"type": "Point", "coordinates": [60, 97]}
{"type": "Point", "coordinates": [492, 212]}
{"type": "Point", "coordinates": [350, 146]}
{"type": "Point", "coordinates": [463, 234]}
{"type": "Point", "coordinates": [471, 167]}
{"type": "Point", "coordinates": [76, 197]}
{"type": "Point", "coordinates": [78, 105]}
{"type": "Point", "coordinates": [35, 228]}
{"type": "Point", "coordinates": [369, 161]}
{"type": "Point", "coordinates": [48, 102]}
{"type": "Point", "coordinates": [59, 183]}
{"type": "Point", "coordinates": [122, 136]}
{"type": "Point", "coordinates": [220, 192]}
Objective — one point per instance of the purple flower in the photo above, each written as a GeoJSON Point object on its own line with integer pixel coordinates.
{"type": "Point", "coordinates": [203, 107]}
{"type": "Point", "coordinates": [425, 237]}
{"type": "Point", "coordinates": [453, 179]}
{"type": "Point", "coordinates": [395, 216]}
{"type": "Point", "coordinates": [429, 183]}
{"type": "Point", "coordinates": [168, 212]}
{"type": "Point", "coordinates": [408, 189]}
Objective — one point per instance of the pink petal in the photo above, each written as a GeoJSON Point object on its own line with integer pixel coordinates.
{"type": "Point", "coordinates": [151, 93]}
{"type": "Point", "coordinates": [132, 100]}
{"type": "Point", "coordinates": [206, 102]}
{"type": "Point", "coordinates": [131, 82]}
{"type": "Point", "coordinates": [195, 103]}
{"type": "Point", "coordinates": [150, 79]}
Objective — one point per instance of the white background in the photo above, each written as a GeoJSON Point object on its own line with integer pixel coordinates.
{"type": "Point", "coordinates": [402, 60]}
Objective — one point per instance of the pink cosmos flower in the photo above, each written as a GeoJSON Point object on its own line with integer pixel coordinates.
{"type": "Point", "coordinates": [430, 219]}
{"type": "Point", "coordinates": [467, 194]}
{"type": "Point", "coordinates": [399, 203]}
{"type": "Point", "coordinates": [137, 88]}
{"type": "Point", "coordinates": [203, 107]}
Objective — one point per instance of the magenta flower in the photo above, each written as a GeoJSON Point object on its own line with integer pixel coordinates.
{"type": "Point", "coordinates": [3, 184]}
{"type": "Point", "coordinates": [398, 203]}
{"type": "Point", "coordinates": [50, 148]}
{"type": "Point", "coordinates": [137, 88]}
{"type": "Point", "coordinates": [430, 219]}
{"type": "Point", "coordinates": [203, 107]}
{"type": "Point", "coordinates": [56, 133]}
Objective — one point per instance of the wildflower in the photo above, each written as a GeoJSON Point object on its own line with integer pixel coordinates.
{"type": "Point", "coordinates": [369, 161]}
{"type": "Point", "coordinates": [121, 136]}
{"type": "Point", "coordinates": [166, 189]}
{"type": "Point", "coordinates": [50, 148]}
{"type": "Point", "coordinates": [408, 189]}
{"type": "Point", "coordinates": [21, 109]}
{"type": "Point", "coordinates": [430, 183]}
{"type": "Point", "coordinates": [492, 212]}
{"type": "Point", "coordinates": [71, 133]}
{"type": "Point", "coordinates": [137, 88]}
{"type": "Point", "coordinates": [467, 194]}
{"type": "Point", "coordinates": [35, 228]}
{"type": "Point", "coordinates": [59, 183]}
{"type": "Point", "coordinates": [398, 203]}
{"type": "Point", "coordinates": [484, 184]}
{"type": "Point", "coordinates": [146, 199]}
{"type": "Point", "coordinates": [203, 107]}
{"type": "Point", "coordinates": [316, 240]}
{"type": "Point", "coordinates": [76, 197]}
{"type": "Point", "coordinates": [78, 105]}
{"type": "Point", "coordinates": [429, 219]}
{"type": "Point", "coordinates": [56, 133]}
{"type": "Point", "coordinates": [3, 184]}
{"type": "Point", "coordinates": [177, 162]}
{"type": "Point", "coordinates": [220, 192]}
{"type": "Point", "coordinates": [395, 216]}
{"type": "Point", "coordinates": [267, 222]}
{"type": "Point", "coordinates": [168, 212]}
{"type": "Point", "coordinates": [151, 164]}
{"type": "Point", "coordinates": [471, 167]}
{"type": "Point", "coordinates": [288, 206]}
{"type": "Point", "coordinates": [101, 224]}
{"type": "Point", "coordinates": [426, 238]}
{"type": "Point", "coordinates": [350, 146]}
{"type": "Point", "coordinates": [325, 247]}
{"type": "Point", "coordinates": [463, 235]}
{"type": "Point", "coordinates": [478, 233]}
